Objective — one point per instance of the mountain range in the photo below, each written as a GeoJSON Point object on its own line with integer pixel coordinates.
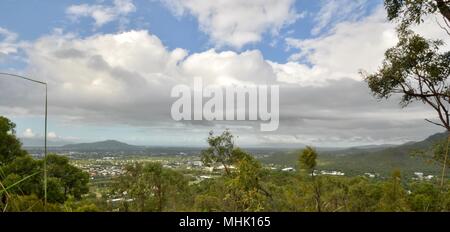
{"type": "Point", "coordinates": [376, 159]}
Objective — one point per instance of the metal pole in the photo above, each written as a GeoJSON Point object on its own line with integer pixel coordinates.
{"type": "Point", "coordinates": [45, 137]}
{"type": "Point", "coordinates": [45, 150]}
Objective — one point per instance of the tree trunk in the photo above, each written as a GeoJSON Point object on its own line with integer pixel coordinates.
{"type": "Point", "coordinates": [444, 8]}
{"type": "Point", "coordinates": [227, 171]}
{"type": "Point", "coordinates": [318, 197]}
{"type": "Point", "coordinates": [445, 161]}
{"type": "Point", "coordinates": [160, 198]}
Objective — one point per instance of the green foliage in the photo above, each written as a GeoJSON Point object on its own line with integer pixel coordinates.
{"type": "Point", "coordinates": [363, 195]}
{"type": "Point", "coordinates": [440, 151]}
{"type": "Point", "coordinates": [71, 180]}
{"type": "Point", "coordinates": [221, 150]}
{"type": "Point", "coordinates": [245, 188]}
{"type": "Point", "coordinates": [21, 176]}
{"type": "Point", "coordinates": [18, 170]}
{"type": "Point", "coordinates": [409, 11]}
{"type": "Point", "coordinates": [73, 205]}
{"type": "Point", "coordinates": [424, 197]}
{"type": "Point", "coordinates": [10, 146]}
{"type": "Point", "coordinates": [149, 187]}
{"type": "Point", "coordinates": [415, 68]}
{"type": "Point", "coordinates": [28, 203]}
{"type": "Point", "coordinates": [307, 159]}
{"type": "Point", "coordinates": [394, 195]}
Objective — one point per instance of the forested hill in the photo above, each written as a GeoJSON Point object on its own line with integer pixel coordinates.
{"type": "Point", "coordinates": [373, 159]}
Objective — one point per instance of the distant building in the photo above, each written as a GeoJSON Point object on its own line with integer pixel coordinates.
{"type": "Point", "coordinates": [421, 176]}
{"type": "Point", "coordinates": [221, 167]}
{"type": "Point", "coordinates": [289, 169]}
{"type": "Point", "coordinates": [332, 173]}
{"type": "Point", "coordinates": [370, 175]}
{"type": "Point", "coordinates": [197, 163]}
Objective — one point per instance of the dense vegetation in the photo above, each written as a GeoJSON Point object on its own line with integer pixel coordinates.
{"type": "Point", "coordinates": [245, 185]}
{"type": "Point", "coordinates": [21, 176]}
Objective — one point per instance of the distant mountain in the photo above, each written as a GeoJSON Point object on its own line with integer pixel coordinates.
{"type": "Point", "coordinates": [380, 159]}
{"type": "Point", "coordinates": [108, 145]}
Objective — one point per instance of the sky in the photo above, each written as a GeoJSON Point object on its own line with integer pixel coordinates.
{"type": "Point", "coordinates": [110, 66]}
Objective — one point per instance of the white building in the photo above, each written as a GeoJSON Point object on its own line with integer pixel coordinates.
{"type": "Point", "coordinates": [289, 169]}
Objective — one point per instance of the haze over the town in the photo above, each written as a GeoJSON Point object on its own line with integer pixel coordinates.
{"type": "Point", "coordinates": [110, 67]}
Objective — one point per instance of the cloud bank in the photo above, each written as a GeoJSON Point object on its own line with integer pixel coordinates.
{"type": "Point", "coordinates": [126, 78]}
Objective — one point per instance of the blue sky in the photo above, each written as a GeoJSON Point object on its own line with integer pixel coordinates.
{"type": "Point", "coordinates": [32, 19]}
{"type": "Point", "coordinates": [269, 35]}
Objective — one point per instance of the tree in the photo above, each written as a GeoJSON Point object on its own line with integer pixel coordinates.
{"type": "Point", "coordinates": [19, 170]}
{"type": "Point", "coordinates": [307, 160]}
{"type": "Point", "coordinates": [245, 186]}
{"type": "Point", "coordinates": [10, 146]}
{"type": "Point", "coordinates": [221, 150]}
{"type": "Point", "coordinates": [64, 178]}
{"type": "Point", "coordinates": [241, 190]}
{"type": "Point", "coordinates": [74, 181]}
{"type": "Point", "coordinates": [413, 11]}
{"type": "Point", "coordinates": [417, 70]}
{"type": "Point", "coordinates": [364, 196]}
{"type": "Point", "coordinates": [150, 187]}
{"type": "Point", "coordinates": [162, 182]}
{"type": "Point", "coordinates": [424, 197]}
{"type": "Point", "coordinates": [393, 198]}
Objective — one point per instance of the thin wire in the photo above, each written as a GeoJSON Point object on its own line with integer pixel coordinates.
{"type": "Point", "coordinates": [45, 143]}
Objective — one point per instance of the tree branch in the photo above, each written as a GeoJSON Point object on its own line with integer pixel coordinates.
{"type": "Point", "coordinates": [435, 123]}
{"type": "Point", "coordinates": [444, 8]}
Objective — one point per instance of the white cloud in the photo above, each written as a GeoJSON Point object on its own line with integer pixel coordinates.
{"type": "Point", "coordinates": [52, 135]}
{"type": "Point", "coordinates": [130, 75]}
{"type": "Point", "coordinates": [236, 22]}
{"type": "Point", "coordinates": [346, 49]}
{"type": "Point", "coordinates": [349, 47]}
{"type": "Point", "coordinates": [102, 14]}
{"type": "Point", "coordinates": [8, 42]}
{"type": "Point", "coordinates": [228, 68]}
{"type": "Point", "coordinates": [120, 71]}
{"type": "Point", "coordinates": [126, 78]}
{"type": "Point", "coordinates": [28, 133]}
{"type": "Point", "coordinates": [31, 138]}
{"type": "Point", "coordinates": [333, 12]}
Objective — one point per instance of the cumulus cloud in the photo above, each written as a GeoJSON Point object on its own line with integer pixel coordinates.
{"type": "Point", "coordinates": [102, 14]}
{"type": "Point", "coordinates": [128, 74]}
{"type": "Point", "coordinates": [235, 22]}
{"type": "Point", "coordinates": [31, 138]}
{"type": "Point", "coordinates": [126, 79]}
{"type": "Point", "coordinates": [228, 68]}
{"type": "Point", "coordinates": [28, 133]}
{"type": "Point", "coordinates": [349, 47]}
{"type": "Point", "coordinates": [52, 135]}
